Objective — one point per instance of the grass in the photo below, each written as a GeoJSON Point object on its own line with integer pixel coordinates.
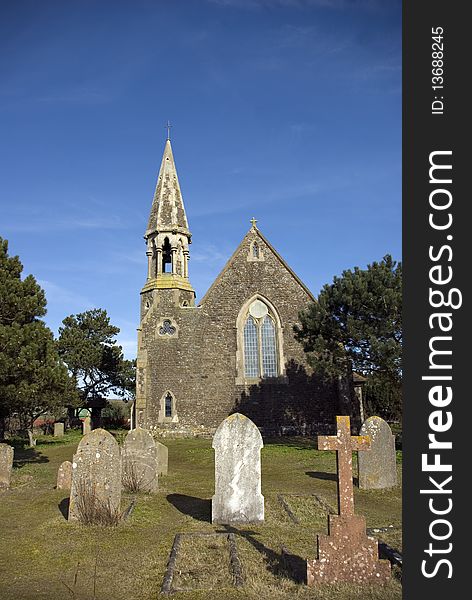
{"type": "Point", "coordinates": [42, 556]}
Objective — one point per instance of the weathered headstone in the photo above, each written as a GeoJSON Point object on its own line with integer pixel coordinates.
{"type": "Point", "coordinates": [378, 468]}
{"type": "Point", "coordinates": [139, 462]}
{"type": "Point", "coordinates": [162, 458]}
{"type": "Point", "coordinates": [347, 553]}
{"type": "Point", "coordinates": [6, 465]}
{"type": "Point", "coordinates": [58, 429]}
{"type": "Point", "coordinates": [86, 425]}
{"type": "Point", "coordinates": [238, 499]}
{"type": "Point", "coordinates": [64, 476]}
{"type": "Point", "coordinates": [96, 479]}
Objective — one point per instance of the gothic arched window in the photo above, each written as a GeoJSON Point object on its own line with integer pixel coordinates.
{"type": "Point", "coordinates": [255, 250]}
{"type": "Point", "coordinates": [167, 408]}
{"type": "Point", "coordinates": [168, 405]}
{"type": "Point", "coordinates": [260, 348]}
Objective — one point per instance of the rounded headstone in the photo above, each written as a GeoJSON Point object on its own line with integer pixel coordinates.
{"type": "Point", "coordinates": [96, 475]}
{"type": "Point", "coordinates": [378, 467]}
{"type": "Point", "coordinates": [238, 499]}
{"type": "Point", "coordinates": [139, 458]}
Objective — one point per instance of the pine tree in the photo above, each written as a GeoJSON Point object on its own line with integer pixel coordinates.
{"type": "Point", "coordinates": [88, 346]}
{"type": "Point", "coordinates": [357, 324]}
{"type": "Point", "coordinates": [33, 379]}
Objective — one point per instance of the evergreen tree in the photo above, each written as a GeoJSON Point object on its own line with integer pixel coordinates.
{"type": "Point", "coordinates": [33, 379]}
{"type": "Point", "coordinates": [357, 323]}
{"type": "Point", "coordinates": [87, 345]}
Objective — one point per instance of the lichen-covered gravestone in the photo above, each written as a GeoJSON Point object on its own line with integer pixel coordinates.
{"type": "Point", "coordinates": [162, 458]}
{"type": "Point", "coordinates": [58, 429]}
{"type": "Point", "coordinates": [6, 464]}
{"type": "Point", "coordinates": [140, 465]}
{"type": "Point", "coordinates": [96, 479]}
{"type": "Point", "coordinates": [64, 476]}
{"type": "Point", "coordinates": [378, 468]}
{"type": "Point", "coordinates": [238, 499]}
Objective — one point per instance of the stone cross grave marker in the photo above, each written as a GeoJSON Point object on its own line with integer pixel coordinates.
{"type": "Point", "coordinates": [378, 468]}
{"type": "Point", "coordinates": [96, 477]}
{"type": "Point", "coordinates": [238, 499]}
{"type": "Point", "coordinates": [58, 429]}
{"type": "Point", "coordinates": [64, 476]}
{"type": "Point", "coordinates": [139, 462]}
{"type": "Point", "coordinates": [6, 465]}
{"type": "Point", "coordinates": [162, 458]}
{"type": "Point", "coordinates": [347, 553]}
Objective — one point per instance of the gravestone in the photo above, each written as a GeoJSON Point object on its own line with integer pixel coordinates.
{"type": "Point", "coordinates": [378, 468]}
{"type": "Point", "coordinates": [64, 476]}
{"type": "Point", "coordinates": [96, 477]}
{"type": "Point", "coordinates": [238, 499]}
{"type": "Point", "coordinates": [58, 429]}
{"type": "Point", "coordinates": [347, 554]}
{"type": "Point", "coordinates": [139, 462]}
{"type": "Point", "coordinates": [162, 458]}
{"type": "Point", "coordinates": [6, 465]}
{"type": "Point", "coordinates": [86, 425]}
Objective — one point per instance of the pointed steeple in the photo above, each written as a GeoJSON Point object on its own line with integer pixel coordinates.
{"type": "Point", "coordinates": [167, 211]}
{"type": "Point", "coordinates": [167, 235]}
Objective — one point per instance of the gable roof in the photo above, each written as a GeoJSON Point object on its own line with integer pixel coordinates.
{"type": "Point", "coordinates": [255, 231]}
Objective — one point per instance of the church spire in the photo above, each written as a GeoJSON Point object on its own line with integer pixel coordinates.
{"type": "Point", "coordinates": [167, 211]}
{"type": "Point", "coordinates": [167, 235]}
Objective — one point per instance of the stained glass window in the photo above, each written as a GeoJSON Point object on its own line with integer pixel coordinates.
{"type": "Point", "coordinates": [255, 250]}
{"type": "Point", "coordinates": [251, 349]}
{"type": "Point", "coordinates": [269, 349]}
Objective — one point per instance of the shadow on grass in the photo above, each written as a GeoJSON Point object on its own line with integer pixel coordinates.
{"type": "Point", "coordinates": [64, 507]}
{"type": "Point", "coordinates": [198, 508]}
{"type": "Point", "coordinates": [26, 456]}
{"type": "Point", "coordinates": [328, 476]}
{"type": "Point", "coordinates": [281, 564]}
{"type": "Point", "coordinates": [294, 442]}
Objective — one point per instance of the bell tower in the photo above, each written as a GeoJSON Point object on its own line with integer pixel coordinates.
{"type": "Point", "coordinates": [168, 238]}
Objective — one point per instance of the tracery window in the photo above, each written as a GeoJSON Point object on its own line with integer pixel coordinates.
{"type": "Point", "coordinates": [260, 342]}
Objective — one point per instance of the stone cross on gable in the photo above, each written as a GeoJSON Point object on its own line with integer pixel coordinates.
{"type": "Point", "coordinates": [344, 444]}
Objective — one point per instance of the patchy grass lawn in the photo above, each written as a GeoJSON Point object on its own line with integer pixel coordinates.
{"type": "Point", "coordinates": [42, 556]}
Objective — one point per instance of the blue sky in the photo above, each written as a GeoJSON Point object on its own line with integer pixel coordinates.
{"type": "Point", "coordinates": [285, 110]}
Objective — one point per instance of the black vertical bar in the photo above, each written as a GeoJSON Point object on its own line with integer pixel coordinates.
{"type": "Point", "coordinates": [427, 128]}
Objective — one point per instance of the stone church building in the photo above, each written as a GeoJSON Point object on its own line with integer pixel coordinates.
{"type": "Point", "coordinates": [234, 350]}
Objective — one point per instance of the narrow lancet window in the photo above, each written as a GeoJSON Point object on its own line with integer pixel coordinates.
{"type": "Point", "coordinates": [251, 349]}
{"type": "Point", "coordinates": [269, 348]}
{"type": "Point", "coordinates": [168, 405]}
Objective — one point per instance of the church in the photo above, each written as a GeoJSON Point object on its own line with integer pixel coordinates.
{"type": "Point", "coordinates": [234, 350]}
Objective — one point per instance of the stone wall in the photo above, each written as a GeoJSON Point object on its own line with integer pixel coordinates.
{"type": "Point", "coordinates": [198, 362]}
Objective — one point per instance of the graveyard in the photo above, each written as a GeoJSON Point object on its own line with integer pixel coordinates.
{"type": "Point", "coordinates": [165, 543]}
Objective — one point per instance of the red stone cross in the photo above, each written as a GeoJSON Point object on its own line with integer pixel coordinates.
{"type": "Point", "coordinates": [344, 444]}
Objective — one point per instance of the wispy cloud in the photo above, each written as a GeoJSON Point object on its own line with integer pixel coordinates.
{"type": "Point", "coordinates": [41, 224]}
{"type": "Point", "coordinates": [209, 254]}
{"type": "Point", "coordinates": [57, 294]}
